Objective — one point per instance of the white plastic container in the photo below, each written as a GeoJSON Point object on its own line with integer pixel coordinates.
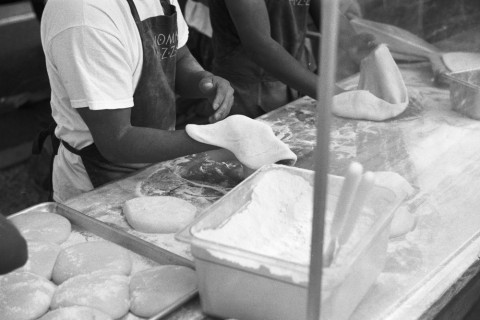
{"type": "Point", "coordinates": [235, 283]}
{"type": "Point", "coordinates": [465, 92]}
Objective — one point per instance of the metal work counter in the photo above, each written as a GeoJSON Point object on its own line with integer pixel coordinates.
{"type": "Point", "coordinates": [436, 149]}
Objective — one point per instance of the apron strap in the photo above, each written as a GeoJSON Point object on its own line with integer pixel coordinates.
{"type": "Point", "coordinates": [134, 11]}
{"type": "Point", "coordinates": [90, 152]}
{"type": "Point", "coordinates": [37, 147]}
{"type": "Point", "coordinates": [167, 9]}
{"type": "Point", "coordinates": [99, 170]}
{"type": "Point", "coordinates": [42, 136]}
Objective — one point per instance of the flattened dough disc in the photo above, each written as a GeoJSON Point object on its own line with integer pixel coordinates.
{"type": "Point", "coordinates": [41, 258]}
{"type": "Point", "coordinates": [403, 222]}
{"type": "Point", "coordinates": [155, 289]}
{"type": "Point", "coordinates": [43, 226]}
{"type": "Point", "coordinates": [91, 256]}
{"type": "Point", "coordinates": [99, 290]}
{"type": "Point", "coordinates": [161, 214]}
{"type": "Point", "coordinates": [24, 296]}
{"type": "Point", "coordinates": [76, 313]}
{"type": "Point", "coordinates": [251, 141]}
{"type": "Point", "coordinates": [461, 61]}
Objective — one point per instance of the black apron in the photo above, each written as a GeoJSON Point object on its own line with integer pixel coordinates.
{"type": "Point", "coordinates": [256, 91]}
{"type": "Point", "coordinates": [154, 96]}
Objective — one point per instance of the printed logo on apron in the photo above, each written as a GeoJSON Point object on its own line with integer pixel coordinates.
{"type": "Point", "coordinates": [168, 44]}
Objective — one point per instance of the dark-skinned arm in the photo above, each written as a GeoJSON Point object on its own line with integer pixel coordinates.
{"type": "Point", "coordinates": [252, 23]}
{"type": "Point", "coordinates": [192, 81]}
{"type": "Point", "coordinates": [120, 142]}
{"type": "Point", "coordinates": [253, 26]}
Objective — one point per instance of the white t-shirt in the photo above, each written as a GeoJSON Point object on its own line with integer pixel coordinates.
{"type": "Point", "coordinates": [94, 59]}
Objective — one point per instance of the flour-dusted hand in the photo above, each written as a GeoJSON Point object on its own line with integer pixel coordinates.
{"type": "Point", "coordinates": [252, 142]}
{"type": "Point", "coordinates": [220, 94]}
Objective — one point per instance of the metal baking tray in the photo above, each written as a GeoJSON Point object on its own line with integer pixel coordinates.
{"type": "Point", "coordinates": [465, 92]}
{"type": "Point", "coordinates": [235, 283]}
{"type": "Point", "coordinates": [89, 227]}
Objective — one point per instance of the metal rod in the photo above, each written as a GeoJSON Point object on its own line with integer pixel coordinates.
{"type": "Point", "coordinates": [325, 91]}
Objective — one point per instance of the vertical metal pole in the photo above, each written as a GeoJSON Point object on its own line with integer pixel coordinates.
{"type": "Point", "coordinates": [325, 91]}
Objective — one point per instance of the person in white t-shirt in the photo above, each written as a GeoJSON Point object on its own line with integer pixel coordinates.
{"type": "Point", "coordinates": [115, 67]}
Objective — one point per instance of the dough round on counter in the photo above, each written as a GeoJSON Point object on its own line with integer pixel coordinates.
{"type": "Point", "coordinates": [43, 226]}
{"type": "Point", "coordinates": [91, 256]}
{"type": "Point", "coordinates": [154, 289]}
{"type": "Point", "coordinates": [160, 214]}
{"type": "Point", "coordinates": [131, 316]}
{"type": "Point", "coordinates": [461, 61]}
{"type": "Point", "coordinates": [100, 290]}
{"type": "Point", "coordinates": [24, 296]}
{"type": "Point", "coordinates": [402, 223]}
{"type": "Point", "coordinates": [41, 258]}
{"type": "Point", "coordinates": [76, 313]}
{"type": "Point", "coordinates": [395, 182]}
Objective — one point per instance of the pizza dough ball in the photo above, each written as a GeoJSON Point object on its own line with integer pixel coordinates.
{"type": "Point", "coordinates": [131, 316]}
{"type": "Point", "coordinates": [154, 289]}
{"type": "Point", "coordinates": [461, 61]}
{"type": "Point", "coordinates": [395, 182]}
{"type": "Point", "coordinates": [76, 313]}
{"type": "Point", "coordinates": [91, 256]}
{"type": "Point", "coordinates": [402, 223]}
{"type": "Point", "coordinates": [43, 226]}
{"type": "Point", "coordinates": [161, 214]}
{"type": "Point", "coordinates": [100, 290]}
{"type": "Point", "coordinates": [41, 258]}
{"type": "Point", "coordinates": [24, 296]}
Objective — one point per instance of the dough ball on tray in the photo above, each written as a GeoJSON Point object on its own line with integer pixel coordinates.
{"type": "Point", "coordinates": [43, 226]}
{"type": "Point", "coordinates": [155, 289]}
{"type": "Point", "coordinates": [76, 313]}
{"type": "Point", "coordinates": [41, 258]}
{"type": "Point", "coordinates": [131, 316]}
{"type": "Point", "coordinates": [91, 256]}
{"type": "Point", "coordinates": [24, 296]}
{"type": "Point", "coordinates": [162, 214]}
{"type": "Point", "coordinates": [100, 290]}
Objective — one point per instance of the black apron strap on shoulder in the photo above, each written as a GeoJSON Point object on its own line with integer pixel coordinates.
{"type": "Point", "coordinates": [37, 147]}
{"type": "Point", "coordinates": [165, 5]}
{"type": "Point", "coordinates": [167, 9]}
{"type": "Point", "coordinates": [133, 10]}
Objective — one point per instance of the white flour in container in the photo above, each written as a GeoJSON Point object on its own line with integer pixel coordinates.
{"type": "Point", "coordinates": [276, 223]}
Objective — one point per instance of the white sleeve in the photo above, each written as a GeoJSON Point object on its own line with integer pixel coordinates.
{"type": "Point", "coordinates": [181, 25]}
{"type": "Point", "coordinates": [94, 68]}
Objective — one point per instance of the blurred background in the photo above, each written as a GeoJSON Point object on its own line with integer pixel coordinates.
{"type": "Point", "coordinates": [24, 105]}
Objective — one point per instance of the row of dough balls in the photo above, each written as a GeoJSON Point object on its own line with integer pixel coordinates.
{"type": "Point", "coordinates": [90, 280]}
